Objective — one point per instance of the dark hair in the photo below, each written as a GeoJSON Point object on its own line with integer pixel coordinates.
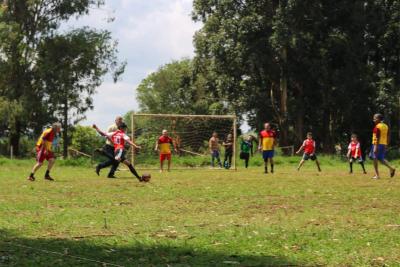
{"type": "Point", "coordinates": [122, 126]}
{"type": "Point", "coordinates": [379, 116]}
{"type": "Point", "coordinates": [354, 135]}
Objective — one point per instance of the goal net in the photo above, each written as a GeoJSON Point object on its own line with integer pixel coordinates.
{"type": "Point", "coordinates": [190, 135]}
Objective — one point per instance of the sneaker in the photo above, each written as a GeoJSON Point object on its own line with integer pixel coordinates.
{"type": "Point", "coordinates": [375, 177]}
{"type": "Point", "coordinates": [111, 176]}
{"type": "Point", "coordinates": [392, 173]}
{"type": "Point", "coordinates": [98, 170]}
{"type": "Point", "coordinates": [31, 178]}
{"type": "Point", "coordinates": [48, 178]}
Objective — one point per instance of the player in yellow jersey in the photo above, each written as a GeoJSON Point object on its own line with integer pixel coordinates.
{"type": "Point", "coordinates": [267, 142]}
{"type": "Point", "coordinates": [44, 150]}
{"type": "Point", "coordinates": [380, 140]}
{"type": "Point", "coordinates": [163, 145]}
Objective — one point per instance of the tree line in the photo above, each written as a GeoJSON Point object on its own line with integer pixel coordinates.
{"type": "Point", "coordinates": [321, 66]}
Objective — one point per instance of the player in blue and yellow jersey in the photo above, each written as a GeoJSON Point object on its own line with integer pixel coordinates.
{"type": "Point", "coordinates": [266, 144]}
{"type": "Point", "coordinates": [44, 150]}
{"type": "Point", "coordinates": [380, 140]}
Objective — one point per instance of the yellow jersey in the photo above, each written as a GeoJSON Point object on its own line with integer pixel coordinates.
{"type": "Point", "coordinates": [380, 134]}
{"type": "Point", "coordinates": [268, 139]}
{"type": "Point", "coordinates": [46, 139]}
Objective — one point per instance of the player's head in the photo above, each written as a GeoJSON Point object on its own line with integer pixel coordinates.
{"type": "Point", "coordinates": [122, 126]}
{"type": "Point", "coordinates": [118, 120]}
{"type": "Point", "coordinates": [309, 135]}
{"type": "Point", "coordinates": [249, 138]}
{"type": "Point", "coordinates": [378, 118]}
{"type": "Point", "coordinates": [229, 136]}
{"type": "Point", "coordinates": [164, 132]}
{"type": "Point", "coordinates": [354, 137]}
{"type": "Point", "coordinates": [215, 134]}
{"type": "Point", "coordinates": [56, 127]}
{"type": "Point", "coordinates": [267, 126]}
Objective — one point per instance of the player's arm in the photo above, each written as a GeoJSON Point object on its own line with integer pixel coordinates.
{"type": "Point", "coordinates": [128, 140]}
{"type": "Point", "coordinates": [174, 145]}
{"type": "Point", "coordinates": [156, 147]}
{"type": "Point", "coordinates": [376, 141]}
{"type": "Point", "coordinates": [210, 145]}
{"type": "Point", "coordinates": [260, 142]}
{"type": "Point", "coordinates": [101, 132]}
{"type": "Point", "coordinates": [349, 151]}
{"type": "Point", "coordinates": [300, 149]}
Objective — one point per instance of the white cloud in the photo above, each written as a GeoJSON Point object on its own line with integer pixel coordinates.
{"type": "Point", "coordinates": [110, 101]}
{"type": "Point", "coordinates": [150, 34]}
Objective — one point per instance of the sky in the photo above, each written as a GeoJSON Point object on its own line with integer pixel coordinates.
{"type": "Point", "coordinates": [150, 34]}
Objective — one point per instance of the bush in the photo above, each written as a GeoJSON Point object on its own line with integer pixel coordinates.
{"type": "Point", "coordinates": [86, 140]}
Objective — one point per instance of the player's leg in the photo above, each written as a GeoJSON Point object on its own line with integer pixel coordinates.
{"type": "Point", "coordinates": [318, 164]}
{"type": "Point", "coordinates": [162, 158]}
{"type": "Point", "coordinates": [265, 158]}
{"type": "Point", "coordinates": [36, 167]}
{"type": "Point", "coordinates": [376, 169]}
{"type": "Point", "coordinates": [246, 159]}
{"type": "Point", "coordinates": [351, 165]}
{"type": "Point", "coordinates": [169, 158]}
{"type": "Point", "coordinates": [391, 169]}
{"type": "Point", "coordinates": [218, 159]}
{"type": "Point", "coordinates": [301, 163]}
{"type": "Point", "coordinates": [50, 165]}
{"type": "Point", "coordinates": [212, 159]}
{"type": "Point", "coordinates": [362, 165]}
{"type": "Point", "coordinates": [271, 161]}
{"type": "Point", "coordinates": [132, 169]}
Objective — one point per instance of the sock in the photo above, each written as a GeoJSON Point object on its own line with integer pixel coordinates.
{"type": "Point", "coordinates": [362, 165]}
{"type": "Point", "coordinates": [47, 173]}
{"type": "Point", "coordinates": [266, 169]}
{"type": "Point", "coordinates": [351, 166]}
{"type": "Point", "coordinates": [272, 167]}
{"type": "Point", "coordinates": [133, 171]}
{"type": "Point", "coordinates": [31, 175]}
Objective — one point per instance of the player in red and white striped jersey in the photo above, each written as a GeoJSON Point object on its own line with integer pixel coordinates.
{"type": "Point", "coordinates": [118, 139]}
{"type": "Point", "coordinates": [354, 153]}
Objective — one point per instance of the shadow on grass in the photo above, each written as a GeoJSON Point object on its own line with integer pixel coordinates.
{"type": "Point", "coordinates": [20, 251]}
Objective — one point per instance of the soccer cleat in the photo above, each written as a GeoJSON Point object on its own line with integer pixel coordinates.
{"type": "Point", "coordinates": [98, 170]}
{"type": "Point", "coordinates": [48, 178]}
{"type": "Point", "coordinates": [392, 173]}
{"type": "Point", "coordinates": [375, 177]}
{"type": "Point", "coordinates": [31, 178]}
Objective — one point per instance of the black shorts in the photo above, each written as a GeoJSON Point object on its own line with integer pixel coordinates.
{"type": "Point", "coordinates": [307, 156]}
{"type": "Point", "coordinates": [244, 155]}
{"type": "Point", "coordinates": [359, 160]}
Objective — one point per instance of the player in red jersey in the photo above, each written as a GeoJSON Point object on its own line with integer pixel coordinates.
{"type": "Point", "coordinates": [44, 150]}
{"type": "Point", "coordinates": [163, 145]}
{"type": "Point", "coordinates": [118, 139]}
{"type": "Point", "coordinates": [354, 153]}
{"type": "Point", "coordinates": [309, 151]}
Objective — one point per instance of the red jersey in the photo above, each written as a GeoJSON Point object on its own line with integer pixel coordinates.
{"type": "Point", "coordinates": [164, 143]}
{"type": "Point", "coordinates": [355, 147]}
{"type": "Point", "coordinates": [118, 138]}
{"type": "Point", "coordinates": [309, 146]}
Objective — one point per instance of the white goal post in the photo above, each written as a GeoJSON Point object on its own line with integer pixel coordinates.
{"type": "Point", "coordinates": [190, 134]}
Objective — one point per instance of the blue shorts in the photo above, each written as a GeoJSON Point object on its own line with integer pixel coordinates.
{"type": "Point", "coordinates": [268, 154]}
{"type": "Point", "coordinates": [380, 155]}
{"type": "Point", "coordinates": [215, 154]}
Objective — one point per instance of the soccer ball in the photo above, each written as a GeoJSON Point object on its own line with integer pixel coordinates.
{"type": "Point", "coordinates": [146, 177]}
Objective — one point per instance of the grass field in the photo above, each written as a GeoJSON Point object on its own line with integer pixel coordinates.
{"type": "Point", "coordinates": [200, 218]}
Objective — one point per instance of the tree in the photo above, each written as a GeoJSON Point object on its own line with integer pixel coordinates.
{"type": "Point", "coordinates": [26, 27]}
{"type": "Point", "coordinates": [77, 60]}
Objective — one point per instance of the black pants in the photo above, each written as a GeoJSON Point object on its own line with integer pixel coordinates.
{"type": "Point", "coordinates": [246, 157]}
{"type": "Point", "coordinates": [228, 158]}
{"type": "Point", "coordinates": [108, 151]}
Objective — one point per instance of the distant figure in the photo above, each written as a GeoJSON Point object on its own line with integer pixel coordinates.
{"type": "Point", "coordinates": [380, 140]}
{"type": "Point", "coordinates": [163, 145]}
{"type": "Point", "coordinates": [246, 149]}
{"type": "Point", "coordinates": [118, 139]}
{"type": "Point", "coordinates": [266, 144]}
{"type": "Point", "coordinates": [309, 148]}
{"type": "Point", "coordinates": [354, 153]}
{"type": "Point", "coordinates": [213, 145]}
{"type": "Point", "coordinates": [44, 151]}
{"type": "Point", "coordinates": [228, 144]}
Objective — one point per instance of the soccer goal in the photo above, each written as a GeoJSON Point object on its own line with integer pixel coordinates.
{"type": "Point", "coordinates": [190, 135]}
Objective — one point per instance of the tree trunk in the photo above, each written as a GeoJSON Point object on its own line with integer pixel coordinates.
{"type": "Point", "coordinates": [65, 129]}
{"type": "Point", "coordinates": [283, 102]}
{"type": "Point", "coordinates": [15, 138]}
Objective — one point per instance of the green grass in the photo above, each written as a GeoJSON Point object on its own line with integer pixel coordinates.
{"type": "Point", "coordinates": [200, 217]}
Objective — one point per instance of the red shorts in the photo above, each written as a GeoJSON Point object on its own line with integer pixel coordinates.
{"type": "Point", "coordinates": [42, 155]}
{"type": "Point", "coordinates": [165, 157]}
